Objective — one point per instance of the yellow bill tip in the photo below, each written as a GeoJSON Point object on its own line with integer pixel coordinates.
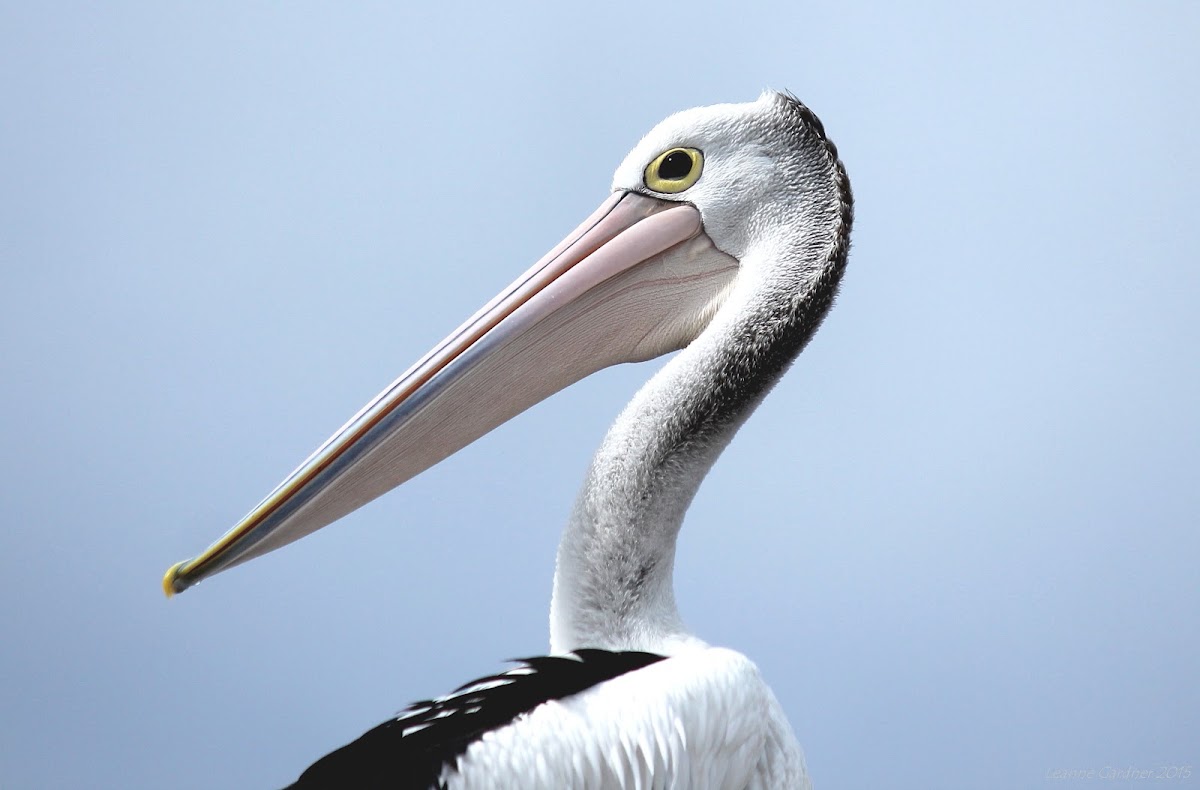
{"type": "Point", "coordinates": [169, 583]}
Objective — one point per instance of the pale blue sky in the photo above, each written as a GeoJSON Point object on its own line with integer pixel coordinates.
{"type": "Point", "coordinates": [960, 538]}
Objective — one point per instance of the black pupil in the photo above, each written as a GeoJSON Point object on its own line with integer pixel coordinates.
{"type": "Point", "coordinates": [675, 167]}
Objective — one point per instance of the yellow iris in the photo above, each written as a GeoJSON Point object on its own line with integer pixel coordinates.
{"type": "Point", "coordinates": [674, 170]}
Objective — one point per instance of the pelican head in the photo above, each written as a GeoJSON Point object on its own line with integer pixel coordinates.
{"type": "Point", "coordinates": [762, 175]}
{"type": "Point", "coordinates": [728, 222]}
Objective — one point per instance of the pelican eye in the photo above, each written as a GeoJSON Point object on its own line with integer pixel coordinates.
{"type": "Point", "coordinates": [674, 170]}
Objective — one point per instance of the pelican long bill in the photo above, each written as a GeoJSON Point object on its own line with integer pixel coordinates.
{"type": "Point", "coordinates": [606, 294]}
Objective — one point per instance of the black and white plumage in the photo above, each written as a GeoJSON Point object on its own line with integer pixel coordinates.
{"type": "Point", "coordinates": [411, 751]}
{"type": "Point", "coordinates": [726, 236]}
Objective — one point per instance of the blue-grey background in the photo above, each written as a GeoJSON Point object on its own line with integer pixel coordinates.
{"type": "Point", "coordinates": [960, 538]}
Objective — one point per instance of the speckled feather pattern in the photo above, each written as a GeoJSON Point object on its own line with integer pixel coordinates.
{"type": "Point", "coordinates": [775, 197]}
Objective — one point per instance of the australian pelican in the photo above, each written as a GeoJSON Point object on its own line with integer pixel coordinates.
{"type": "Point", "coordinates": [725, 236]}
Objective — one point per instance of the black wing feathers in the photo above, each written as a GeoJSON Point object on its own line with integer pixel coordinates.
{"type": "Point", "coordinates": [411, 750]}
